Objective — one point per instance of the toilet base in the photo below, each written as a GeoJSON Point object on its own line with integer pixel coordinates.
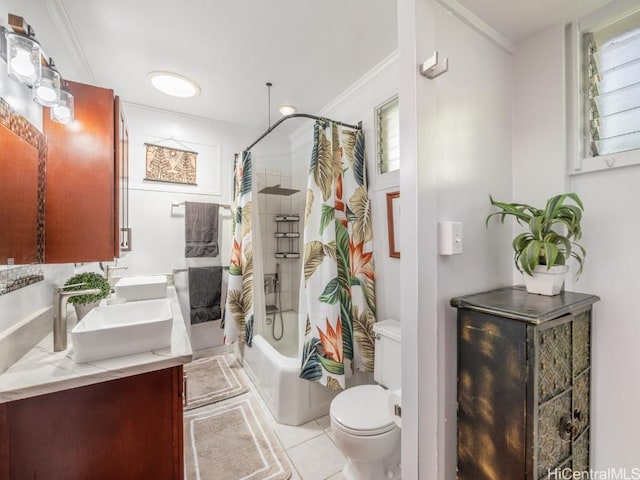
{"type": "Point", "coordinates": [387, 469]}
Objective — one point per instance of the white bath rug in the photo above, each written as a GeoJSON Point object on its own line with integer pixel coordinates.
{"type": "Point", "coordinates": [232, 441]}
{"type": "Point", "coordinates": [212, 379]}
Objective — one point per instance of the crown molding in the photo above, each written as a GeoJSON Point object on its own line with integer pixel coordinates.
{"type": "Point", "coordinates": [479, 25]}
{"type": "Point", "coordinates": [357, 85]}
{"type": "Point", "coordinates": [62, 22]}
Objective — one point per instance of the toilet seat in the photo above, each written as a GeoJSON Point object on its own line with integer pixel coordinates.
{"type": "Point", "coordinates": [362, 411]}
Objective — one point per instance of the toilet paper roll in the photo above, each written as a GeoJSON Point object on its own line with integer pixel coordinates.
{"type": "Point", "coordinates": [395, 407]}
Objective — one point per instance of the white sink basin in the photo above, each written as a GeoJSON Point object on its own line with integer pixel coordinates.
{"type": "Point", "coordinates": [123, 329]}
{"type": "Point", "coordinates": [144, 287]}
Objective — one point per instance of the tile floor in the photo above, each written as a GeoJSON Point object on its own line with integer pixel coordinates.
{"type": "Point", "coordinates": [310, 448]}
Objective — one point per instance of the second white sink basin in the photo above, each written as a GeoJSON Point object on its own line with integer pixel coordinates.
{"type": "Point", "coordinates": [143, 287]}
{"type": "Point", "coordinates": [123, 329]}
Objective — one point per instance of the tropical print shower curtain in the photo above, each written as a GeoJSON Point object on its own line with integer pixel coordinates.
{"type": "Point", "coordinates": [238, 324]}
{"type": "Point", "coordinates": [338, 260]}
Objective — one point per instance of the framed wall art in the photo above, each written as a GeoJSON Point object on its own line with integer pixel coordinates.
{"type": "Point", "coordinates": [165, 164]}
{"type": "Point", "coordinates": [393, 223]}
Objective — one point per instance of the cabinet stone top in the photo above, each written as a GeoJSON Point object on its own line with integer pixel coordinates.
{"type": "Point", "coordinates": [514, 302]}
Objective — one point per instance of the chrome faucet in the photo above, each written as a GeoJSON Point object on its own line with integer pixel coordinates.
{"type": "Point", "coordinates": [108, 270]}
{"type": "Point", "coordinates": [60, 297]}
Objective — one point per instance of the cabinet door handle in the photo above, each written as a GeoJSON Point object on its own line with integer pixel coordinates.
{"type": "Point", "coordinates": [185, 383]}
{"type": "Point", "coordinates": [566, 429]}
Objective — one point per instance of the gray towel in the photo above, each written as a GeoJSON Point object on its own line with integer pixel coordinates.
{"type": "Point", "coordinates": [201, 229]}
{"type": "Point", "coordinates": [205, 287]}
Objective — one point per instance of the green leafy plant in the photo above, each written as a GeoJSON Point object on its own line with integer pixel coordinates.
{"type": "Point", "coordinates": [89, 280]}
{"type": "Point", "coordinates": [544, 244]}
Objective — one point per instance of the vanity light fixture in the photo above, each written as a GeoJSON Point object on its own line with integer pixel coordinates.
{"type": "Point", "coordinates": [23, 57]}
{"type": "Point", "coordinates": [63, 112]}
{"type": "Point", "coordinates": [46, 91]}
{"type": "Point", "coordinates": [287, 110]}
{"type": "Point", "coordinates": [27, 64]}
{"type": "Point", "coordinates": [3, 43]}
{"type": "Point", "coordinates": [174, 84]}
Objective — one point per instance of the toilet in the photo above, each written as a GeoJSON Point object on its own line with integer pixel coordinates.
{"type": "Point", "coordinates": [361, 421]}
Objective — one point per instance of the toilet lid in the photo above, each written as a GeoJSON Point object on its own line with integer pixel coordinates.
{"type": "Point", "coordinates": [363, 410]}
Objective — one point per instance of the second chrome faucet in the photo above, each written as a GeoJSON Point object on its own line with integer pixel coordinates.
{"type": "Point", "coordinates": [60, 297]}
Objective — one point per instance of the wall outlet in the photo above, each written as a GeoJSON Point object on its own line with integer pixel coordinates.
{"type": "Point", "coordinates": [450, 238]}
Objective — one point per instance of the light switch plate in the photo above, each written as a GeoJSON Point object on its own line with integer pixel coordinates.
{"type": "Point", "coordinates": [450, 238]}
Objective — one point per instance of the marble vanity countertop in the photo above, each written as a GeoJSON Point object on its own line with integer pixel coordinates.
{"type": "Point", "coordinates": [41, 370]}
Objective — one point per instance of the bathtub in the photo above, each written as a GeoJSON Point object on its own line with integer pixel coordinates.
{"type": "Point", "coordinates": [274, 371]}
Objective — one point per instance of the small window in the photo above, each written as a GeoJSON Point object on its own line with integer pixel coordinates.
{"type": "Point", "coordinates": [388, 135]}
{"type": "Point", "coordinates": [611, 76]}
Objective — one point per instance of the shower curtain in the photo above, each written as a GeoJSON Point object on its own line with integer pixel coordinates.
{"type": "Point", "coordinates": [238, 323]}
{"type": "Point", "coordinates": [339, 278]}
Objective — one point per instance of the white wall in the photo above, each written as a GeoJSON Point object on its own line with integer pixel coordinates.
{"type": "Point", "coordinates": [610, 269]}
{"type": "Point", "coordinates": [539, 134]}
{"type": "Point", "coordinates": [611, 273]}
{"type": "Point", "coordinates": [157, 229]}
{"type": "Point", "coordinates": [456, 150]}
{"type": "Point", "coordinates": [473, 160]}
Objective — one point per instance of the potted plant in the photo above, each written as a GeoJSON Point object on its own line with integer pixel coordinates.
{"type": "Point", "coordinates": [82, 281]}
{"type": "Point", "coordinates": [541, 253]}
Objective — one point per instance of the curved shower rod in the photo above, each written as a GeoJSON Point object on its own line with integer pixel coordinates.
{"type": "Point", "coordinates": [304, 115]}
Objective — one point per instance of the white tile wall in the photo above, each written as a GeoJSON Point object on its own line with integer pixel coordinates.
{"type": "Point", "coordinates": [268, 207]}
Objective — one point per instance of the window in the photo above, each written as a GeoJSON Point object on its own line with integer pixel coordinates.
{"type": "Point", "coordinates": [388, 135]}
{"type": "Point", "coordinates": [611, 80]}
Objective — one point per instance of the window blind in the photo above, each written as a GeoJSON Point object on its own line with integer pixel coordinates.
{"type": "Point", "coordinates": [612, 87]}
{"type": "Point", "coordinates": [388, 133]}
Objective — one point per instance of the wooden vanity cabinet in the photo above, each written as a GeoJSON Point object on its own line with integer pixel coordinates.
{"type": "Point", "coordinates": [85, 163]}
{"type": "Point", "coordinates": [126, 428]}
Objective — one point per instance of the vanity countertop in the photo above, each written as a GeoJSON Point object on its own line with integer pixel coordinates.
{"type": "Point", "coordinates": [41, 370]}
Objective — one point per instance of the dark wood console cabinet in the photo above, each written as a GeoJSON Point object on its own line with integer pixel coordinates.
{"type": "Point", "coordinates": [524, 369]}
{"type": "Point", "coordinates": [126, 428]}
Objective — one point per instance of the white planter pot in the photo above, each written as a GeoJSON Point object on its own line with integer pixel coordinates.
{"type": "Point", "coordinates": [83, 308]}
{"type": "Point", "coordinates": [546, 282]}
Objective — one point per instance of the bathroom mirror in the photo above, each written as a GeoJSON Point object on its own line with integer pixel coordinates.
{"type": "Point", "coordinates": [23, 151]}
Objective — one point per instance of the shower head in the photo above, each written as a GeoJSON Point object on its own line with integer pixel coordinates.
{"type": "Point", "coordinates": [278, 190]}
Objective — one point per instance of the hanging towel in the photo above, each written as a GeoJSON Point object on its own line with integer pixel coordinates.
{"type": "Point", "coordinates": [201, 229]}
{"type": "Point", "coordinates": [205, 287]}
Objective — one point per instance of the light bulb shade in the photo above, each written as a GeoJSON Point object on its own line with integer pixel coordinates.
{"type": "Point", "coordinates": [46, 91]}
{"type": "Point", "coordinates": [63, 112]}
{"type": "Point", "coordinates": [23, 58]}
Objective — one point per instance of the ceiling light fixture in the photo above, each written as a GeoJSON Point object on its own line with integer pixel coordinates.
{"type": "Point", "coordinates": [174, 84]}
{"type": "Point", "coordinates": [287, 110]}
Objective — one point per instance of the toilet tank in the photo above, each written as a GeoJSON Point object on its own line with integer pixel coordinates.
{"type": "Point", "coordinates": [386, 370]}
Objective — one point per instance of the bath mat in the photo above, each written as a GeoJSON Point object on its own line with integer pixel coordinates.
{"type": "Point", "coordinates": [212, 379]}
{"type": "Point", "coordinates": [232, 441]}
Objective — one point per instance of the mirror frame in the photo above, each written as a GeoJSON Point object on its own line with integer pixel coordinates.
{"type": "Point", "coordinates": [20, 126]}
